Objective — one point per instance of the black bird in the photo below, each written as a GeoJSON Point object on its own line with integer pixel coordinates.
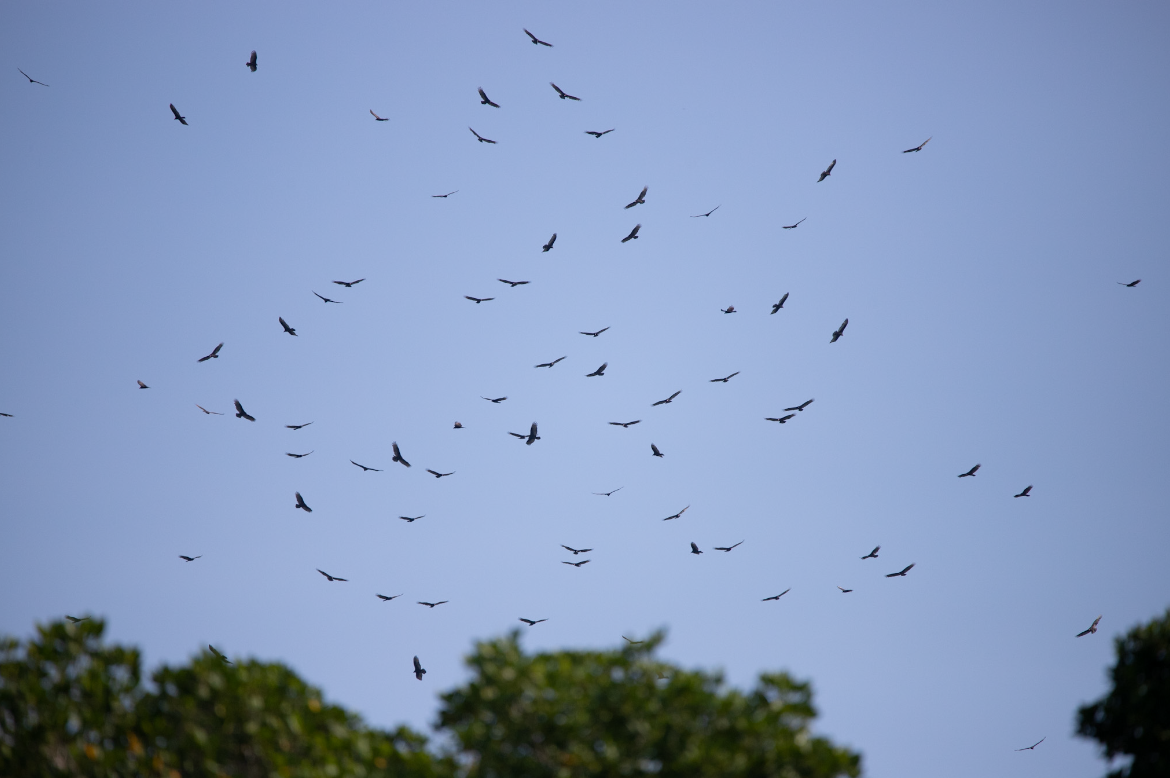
{"type": "Point", "coordinates": [595, 334]}
{"type": "Point", "coordinates": [483, 99]}
{"type": "Point", "coordinates": [419, 672]}
{"type": "Point", "coordinates": [668, 399]}
{"type": "Point", "coordinates": [633, 233]}
{"type": "Point", "coordinates": [827, 171]}
{"type": "Point", "coordinates": [298, 456]}
{"type": "Point", "coordinates": [530, 622]}
{"type": "Point", "coordinates": [598, 371]}
{"type": "Point", "coordinates": [970, 473]}
{"type": "Point", "coordinates": [251, 63]}
{"type": "Point", "coordinates": [654, 449]}
{"type": "Point", "coordinates": [384, 598]}
{"type": "Point", "coordinates": [800, 407]}
{"type": "Point", "coordinates": [596, 134]}
{"type": "Point", "coordinates": [377, 117]}
{"type": "Point", "coordinates": [446, 195]}
{"type": "Point", "coordinates": [536, 40]}
{"type": "Point", "coordinates": [180, 119]}
{"type": "Point", "coordinates": [32, 80]}
{"type": "Point", "coordinates": [458, 426]}
{"type": "Point", "coordinates": [641, 198]}
{"type": "Point", "coordinates": [633, 642]}
{"type": "Point", "coordinates": [437, 474]}
{"type": "Point", "coordinates": [1026, 493]}
{"type": "Point", "coordinates": [512, 284]}
{"type": "Point", "coordinates": [411, 519]}
{"type": "Point", "coordinates": [728, 309]}
{"type": "Point", "coordinates": [873, 554]}
{"type": "Point", "coordinates": [398, 455]}
{"type": "Point", "coordinates": [607, 494]}
{"type": "Point", "coordinates": [480, 138]}
{"type": "Point", "coordinates": [576, 550]}
{"type": "Point", "coordinates": [532, 436]}
{"type": "Point", "coordinates": [839, 331]}
{"type": "Point", "coordinates": [477, 300]}
{"type": "Point", "coordinates": [301, 504]}
{"type": "Point", "coordinates": [197, 405]}
{"type": "Point", "coordinates": [142, 385]}
{"type": "Point", "coordinates": [625, 424]}
{"type": "Point", "coordinates": [576, 564]}
{"type": "Point", "coordinates": [219, 655]}
{"type": "Point", "coordinates": [777, 597]}
{"type": "Point", "coordinates": [1131, 284]}
{"type": "Point", "coordinates": [364, 468]}
{"type": "Point", "coordinates": [563, 95]}
{"type": "Point", "coordinates": [75, 620]}
{"type": "Point", "coordinates": [287, 328]}
{"type": "Point", "coordinates": [1041, 740]}
{"type": "Point", "coordinates": [349, 284]}
{"type": "Point", "coordinates": [331, 578]}
{"type": "Point", "coordinates": [433, 605]}
{"type": "Point", "coordinates": [550, 364]}
{"type": "Point", "coordinates": [902, 572]}
{"type": "Point", "coordinates": [9, 415]}
{"type": "Point", "coordinates": [844, 590]}
{"type": "Point", "coordinates": [241, 413]}
{"type": "Point", "coordinates": [1092, 628]}
{"type": "Point", "coordinates": [694, 548]}
{"type": "Point", "coordinates": [727, 548]}
{"type": "Point", "coordinates": [190, 558]}
{"type": "Point", "coordinates": [780, 304]}
{"type": "Point", "coordinates": [708, 213]}
{"type": "Point", "coordinates": [327, 300]}
{"type": "Point", "coordinates": [793, 226]}
{"type": "Point", "coordinates": [677, 515]}
{"type": "Point", "coordinates": [548, 246]}
{"type": "Point", "coordinates": [297, 426]}
{"type": "Point", "coordinates": [919, 146]}
{"type": "Point", "coordinates": [724, 380]}
{"type": "Point", "coordinates": [213, 355]}
{"type": "Point", "coordinates": [497, 400]}
{"type": "Point", "coordinates": [782, 419]}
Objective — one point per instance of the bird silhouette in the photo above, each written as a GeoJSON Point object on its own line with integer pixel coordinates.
{"type": "Point", "coordinates": [478, 300]}
{"type": "Point", "coordinates": [364, 468]}
{"type": "Point", "coordinates": [793, 226]}
{"type": "Point", "coordinates": [919, 146]}
{"type": "Point", "coordinates": [349, 284]}
{"type": "Point", "coordinates": [75, 620]}
{"type": "Point", "coordinates": [1041, 740]}
{"type": "Point", "coordinates": [724, 380]}
{"type": "Point", "coordinates": [776, 597]}
{"type": "Point", "coordinates": [656, 452]}
{"type": "Point", "coordinates": [625, 424]}
{"type": "Point", "coordinates": [708, 213]}
{"type": "Point", "coordinates": [728, 548]}
{"type": "Point", "coordinates": [180, 119]}
{"type": "Point", "coordinates": [1131, 284]}
{"type": "Point", "coordinates": [970, 473]}
{"type": "Point", "coordinates": [419, 672]}
{"type": "Point", "coordinates": [497, 400]}
{"type": "Point", "coordinates": [781, 419]}
{"type": "Point", "coordinates": [839, 331]}
{"type": "Point", "coordinates": [445, 196]}
{"type": "Point", "coordinates": [550, 364]}
{"type": "Point", "coordinates": [597, 134]}
{"type": "Point", "coordinates": [902, 572]}
{"type": "Point", "coordinates": [608, 494]}
{"type": "Point", "coordinates": [531, 622]}
{"type": "Point", "coordinates": [433, 605]}
{"type": "Point", "coordinates": [1092, 628]}
{"type": "Point", "coordinates": [142, 385]}
{"type": "Point", "coordinates": [598, 371]}
{"type": "Point", "coordinates": [641, 198]}
{"type": "Point", "coordinates": [377, 117]}
{"type": "Point", "coordinates": [302, 504]}
{"type": "Point", "coordinates": [287, 328]}
{"type": "Point", "coordinates": [827, 171]}
{"type": "Point", "coordinates": [437, 474]}
{"type": "Point", "coordinates": [844, 590]}
{"type": "Point", "coordinates": [576, 550]}
{"type": "Point", "coordinates": [384, 598]}
{"type": "Point", "coordinates": [512, 284]}
{"type": "Point", "coordinates": [218, 655]}
{"type": "Point", "coordinates": [633, 233]}
{"type": "Point", "coordinates": [780, 304]}
{"type": "Point", "coordinates": [1026, 493]}
{"type": "Point", "coordinates": [532, 436]}
{"type": "Point", "coordinates": [595, 334]}
{"type": "Point", "coordinates": [298, 456]}
{"type": "Point", "coordinates": [295, 427]}
{"type": "Point", "coordinates": [251, 63]}
{"type": "Point", "coordinates": [458, 425]}
{"type": "Point", "coordinates": [209, 413]}
{"type": "Point", "coordinates": [576, 564]}
{"type": "Point", "coordinates": [398, 455]}
{"type": "Point", "coordinates": [562, 94]}
{"type": "Point", "coordinates": [483, 99]}
{"type": "Point", "coordinates": [694, 548]}
{"type": "Point", "coordinates": [548, 246]}
{"type": "Point", "coordinates": [536, 40]}
{"type": "Point", "coordinates": [800, 407]}
{"type": "Point", "coordinates": [213, 355]}
{"type": "Point", "coordinates": [32, 80]}
{"type": "Point", "coordinates": [668, 400]}
{"type": "Point", "coordinates": [873, 554]}
{"type": "Point", "coordinates": [189, 558]}
{"type": "Point", "coordinates": [480, 138]}
{"type": "Point", "coordinates": [677, 515]}
{"type": "Point", "coordinates": [728, 309]}
{"type": "Point", "coordinates": [633, 642]}
{"type": "Point", "coordinates": [411, 519]}
{"type": "Point", "coordinates": [241, 413]}
{"type": "Point", "coordinates": [326, 300]}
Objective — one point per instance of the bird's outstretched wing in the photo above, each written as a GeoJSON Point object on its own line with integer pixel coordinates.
{"type": "Point", "coordinates": [175, 111]}
{"type": "Point", "coordinates": [633, 233]}
{"type": "Point", "coordinates": [398, 455]}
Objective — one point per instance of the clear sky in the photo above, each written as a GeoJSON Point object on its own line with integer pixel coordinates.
{"type": "Point", "coordinates": [980, 278]}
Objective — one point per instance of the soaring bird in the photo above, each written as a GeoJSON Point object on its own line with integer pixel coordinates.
{"type": "Point", "coordinates": [295, 427]}
{"type": "Point", "coordinates": [251, 63]}
{"type": "Point", "coordinates": [530, 622]}
{"type": "Point", "coordinates": [433, 605]}
{"type": "Point", "coordinates": [827, 171]}
{"type": "Point", "coordinates": [437, 474]}
{"type": "Point", "coordinates": [189, 558]}
{"type": "Point", "coordinates": [536, 40]}
{"type": "Point", "coordinates": [695, 548]}
{"type": "Point", "coordinates": [142, 385]}
{"type": "Point", "coordinates": [301, 504]}
{"type": "Point", "coordinates": [213, 355]}
{"type": "Point", "coordinates": [532, 436]}
{"type": "Point", "coordinates": [75, 620]}
{"type": "Point", "coordinates": [728, 548]}
{"type": "Point", "coordinates": [778, 596]}
{"type": "Point", "coordinates": [708, 213]}
{"type": "Point", "coordinates": [298, 456]}
{"type": "Point", "coordinates": [241, 413]}
{"type": "Point", "coordinates": [792, 226]}
{"type": "Point", "coordinates": [563, 95]}
{"type": "Point", "coordinates": [327, 300]}
{"type": "Point", "coordinates": [477, 300]}
{"type": "Point", "coordinates": [209, 413]}
{"type": "Point", "coordinates": [609, 494]}
{"type": "Point", "coordinates": [287, 328]}
{"type": "Point", "coordinates": [1026, 493]}
{"type": "Point", "coordinates": [641, 198]}
{"type": "Point", "coordinates": [576, 550]}
{"type": "Point", "coordinates": [548, 246]}
{"type": "Point", "coordinates": [728, 309]}
{"type": "Point", "coordinates": [724, 380]}
{"type": "Point", "coordinates": [550, 364]}
{"type": "Point", "coordinates": [419, 672]}
{"type": "Point", "coordinates": [32, 80]}
{"type": "Point", "coordinates": [364, 468]}
{"type": "Point", "coordinates": [1131, 284]}
{"type": "Point", "coordinates": [633, 642]}
{"type": "Point", "coordinates": [919, 146]}
{"type": "Point", "coordinates": [901, 572]}
{"type": "Point", "coordinates": [480, 138]}
{"type": "Point", "coordinates": [445, 196]}
{"type": "Point", "coordinates": [595, 334]}
{"type": "Point", "coordinates": [633, 233]}
{"type": "Point", "coordinates": [802, 406]}
{"type": "Point", "coordinates": [9, 415]}
{"type": "Point", "coordinates": [677, 515]}
{"type": "Point", "coordinates": [970, 473]}
{"type": "Point", "coordinates": [483, 99]}
{"type": "Point", "coordinates": [497, 400]}
{"type": "Point", "coordinates": [377, 117]}
{"type": "Point", "coordinates": [180, 119]}
{"type": "Point", "coordinates": [384, 598]}
{"type": "Point", "coordinates": [598, 371]}
{"type": "Point", "coordinates": [411, 519]}
{"type": "Point", "coordinates": [458, 425]}
{"type": "Point", "coordinates": [625, 424]}
{"type": "Point", "coordinates": [597, 134]}
{"type": "Point", "coordinates": [349, 284]}
{"type": "Point", "coordinates": [844, 590]}
{"type": "Point", "coordinates": [654, 449]}
{"type": "Point", "coordinates": [512, 284]}
{"type": "Point", "coordinates": [576, 564]}
{"type": "Point", "coordinates": [780, 304]}
{"type": "Point", "coordinates": [398, 455]}
{"type": "Point", "coordinates": [1092, 628]}
{"type": "Point", "coordinates": [873, 554]}
{"type": "Point", "coordinates": [782, 419]}
{"type": "Point", "coordinates": [668, 399]}
{"type": "Point", "coordinates": [839, 331]}
{"type": "Point", "coordinates": [220, 656]}
{"type": "Point", "coordinates": [1041, 740]}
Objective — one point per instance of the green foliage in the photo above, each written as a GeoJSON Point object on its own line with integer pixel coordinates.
{"type": "Point", "coordinates": [622, 713]}
{"type": "Point", "coordinates": [1134, 718]}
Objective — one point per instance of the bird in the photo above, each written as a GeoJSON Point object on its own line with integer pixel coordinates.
{"type": "Point", "coordinates": [433, 605]}
{"type": "Point", "coordinates": [287, 328]}
{"type": "Point", "coordinates": [777, 597]}
{"type": "Point", "coordinates": [384, 598]}
{"type": "Point", "coordinates": [241, 413]}
{"type": "Point", "coordinates": [532, 436]}
{"type": "Point", "coordinates": [480, 138]}
{"type": "Point", "coordinates": [827, 171]}
{"type": "Point", "coordinates": [641, 198]}
{"type": "Point", "coordinates": [793, 226]}
{"type": "Point", "coordinates": [213, 355]}
{"type": "Point", "coordinates": [802, 406]}
{"type": "Point", "coordinates": [598, 371]}
{"type": "Point", "coordinates": [668, 400]}
{"type": "Point", "coordinates": [597, 134]}
{"type": "Point", "coordinates": [364, 468]}
{"type": "Point", "coordinates": [548, 246]}
{"type": "Point", "coordinates": [180, 119]}
{"type": "Point", "coordinates": [75, 620]}
{"type": "Point", "coordinates": [677, 515]}
{"type": "Point", "coordinates": [919, 146]}
{"type": "Point", "coordinates": [298, 456]}
{"type": "Point", "coordinates": [142, 385]}
{"type": "Point", "coordinates": [419, 672]}
{"type": "Point", "coordinates": [190, 558]}
{"type": "Point", "coordinates": [633, 233]}
{"type": "Point", "coordinates": [902, 572]}
{"type": "Point", "coordinates": [694, 548]}
{"type": "Point", "coordinates": [576, 564]}
{"type": "Point", "coordinates": [331, 578]}
{"type": "Point", "coordinates": [483, 99]}
{"type": "Point", "coordinates": [728, 309]}
{"type": "Point", "coordinates": [970, 473]}
{"type": "Point", "coordinates": [327, 300]}
{"type": "Point", "coordinates": [844, 590]}
{"type": "Point", "coordinates": [295, 427]}
{"type": "Point", "coordinates": [576, 550]}
{"type": "Point", "coordinates": [251, 63]}
{"type": "Point", "coordinates": [708, 213]}
{"type": "Point", "coordinates": [563, 95]}
{"type": "Point", "coordinates": [458, 425]}
{"type": "Point", "coordinates": [302, 504]}
{"type": "Point", "coordinates": [411, 519]}
{"type": "Point", "coordinates": [727, 548]}
{"type": "Point", "coordinates": [873, 554]}
{"type": "Point", "coordinates": [724, 380]}
{"type": "Point", "coordinates": [595, 334]}
{"type": "Point", "coordinates": [512, 284]}
{"type": "Point", "coordinates": [625, 424]}
{"type": "Point", "coordinates": [549, 364]}
{"type": "Point", "coordinates": [654, 449]}
{"type": "Point", "coordinates": [497, 400]}
{"type": "Point", "coordinates": [478, 300]}
{"type": "Point", "coordinates": [1026, 493]}
{"type": "Point", "coordinates": [1092, 628]}
{"type": "Point", "coordinates": [530, 622]}
{"type": "Point", "coordinates": [378, 118]}
{"type": "Point", "coordinates": [200, 407]}
{"type": "Point", "coordinates": [32, 80]}
{"type": "Point", "coordinates": [349, 284]}
{"type": "Point", "coordinates": [445, 196]}
{"type": "Point", "coordinates": [398, 455]}
{"type": "Point", "coordinates": [607, 494]}
{"type": "Point", "coordinates": [437, 474]}
{"type": "Point", "coordinates": [782, 419]}
{"type": "Point", "coordinates": [1131, 284]}
{"type": "Point", "coordinates": [839, 331]}
{"type": "Point", "coordinates": [9, 415]}
{"type": "Point", "coordinates": [219, 655]}
{"type": "Point", "coordinates": [1041, 740]}
{"type": "Point", "coordinates": [633, 642]}
{"type": "Point", "coordinates": [780, 304]}
{"type": "Point", "coordinates": [536, 40]}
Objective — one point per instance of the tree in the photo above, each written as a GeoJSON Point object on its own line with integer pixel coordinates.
{"type": "Point", "coordinates": [621, 713]}
{"type": "Point", "coordinates": [1134, 718]}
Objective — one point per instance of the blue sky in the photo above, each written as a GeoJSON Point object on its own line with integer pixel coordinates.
{"type": "Point", "coordinates": [979, 277]}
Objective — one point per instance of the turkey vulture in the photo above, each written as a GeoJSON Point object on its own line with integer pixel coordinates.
{"type": "Point", "coordinates": [728, 309]}
{"type": "Point", "coordinates": [668, 399]}
{"type": "Point", "coordinates": [708, 213]}
{"type": "Point", "coordinates": [364, 468]}
{"type": "Point", "coordinates": [1026, 493]}
{"type": "Point", "coordinates": [419, 672]}
{"type": "Point", "coordinates": [596, 134]}
{"type": "Point", "coordinates": [287, 328]}
{"type": "Point", "coordinates": [301, 504]}
{"type": "Point", "coordinates": [782, 419]}
{"type": "Point", "coordinates": [576, 550]}
{"type": "Point", "coordinates": [563, 95]}
{"type": "Point", "coordinates": [844, 590]}
{"type": "Point", "coordinates": [633, 642]}
{"type": "Point", "coordinates": [919, 146]}
{"type": "Point", "coordinates": [497, 400]}
{"type": "Point", "coordinates": [483, 99]}
{"type": "Point", "coordinates": [433, 605]}
{"type": "Point", "coordinates": [9, 415]}
{"type": "Point", "coordinates": [695, 548]}
{"type": "Point", "coordinates": [536, 40]}
{"type": "Point", "coordinates": [377, 117]}
{"type": "Point", "coordinates": [633, 233]}
{"type": "Point", "coordinates": [437, 474]}
{"type": "Point", "coordinates": [251, 63]}
{"type": "Point", "coordinates": [550, 364]}
{"type": "Point", "coordinates": [75, 620]}
{"type": "Point", "coordinates": [445, 196]}
{"type": "Point", "coordinates": [780, 304]}
{"type": "Point", "coordinates": [458, 425]}
{"type": "Point", "coordinates": [654, 449]}
{"type": "Point", "coordinates": [297, 426]}
{"type": "Point", "coordinates": [1131, 284]}
{"type": "Point", "coordinates": [598, 371]}
{"type": "Point", "coordinates": [142, 385]}
{"type": "Point", "coordinates": [398, 455]}
{"type": "Point", "coordinates": [727, 548]}
{"type": "Point", "coordinates": [411, 519]}
{"type": "Point", "coordinates": [512, 284]}
{"type": "Point", "coordinates": [724, 380]}
{"type": "Point", "coordinates": [532, 436]}
{"type": "Point", "coordinates": [548, 246]}
{"type": "Point", "coordinates": [384, 598]}
{"type": "Point", "coordinates": [777, 597]}
{"type": "Point", "coordinates": [530, 622]}
{"type": "Point", "coordinates": [1092, 628]}
{"type": "Point", "coordinates": [800, 407]}
{"type": "Point", "coordinates": [219, 655]}
{"type": "Point", "coordinates": [331, 578]}
{"type": "Point", "coordinates": [827, 171]}
{"type": "Point", "coordinates": [32, 80]}
{"type": "Point", "coordinates": [607, 494]}
{"type": "Point", "coordinates": [180, 119]}
{"type": "Point", "coordinates": [298, 456]}
{"type": "Point", "coordinates": [189, 558]}
{"type": "Point", "coordinates": [349, 284]}
{"type": "Point", "coordinates": [625, 424]}
{"type": "Point", "coordinates": [1041, 740]}
{"type": "Point", "coordinates": [902, 572]}
{"type": "Point", "coordinates": [839, 331]}
{"type": "Point", "coordinates": [793, 226]}
{"type": "Point", "coordinates": [970, 473]}
{"type": "Point", "coordinates": [327, 300]}
{"type": "Point", "coordinates": [873, 554]}
{"type": "Point", "coordinates": [213, 355]}
{"type": "Point", "coordinates": [241, 413]}
{"type": "Point", "coordinates": [480, 138]}
{"type": "Point", "coordinates": [641, 198]}
{"type": "Point", "coordinates": [478, 300]}
{"type": "Point", "coordinates": [677, 515]}
{"type": "Point", "coordinates": [200, 407]}
{"type": "Point", "coordinates": [595, 334]}
{"type": "Point", "coordinates": [576, 564]}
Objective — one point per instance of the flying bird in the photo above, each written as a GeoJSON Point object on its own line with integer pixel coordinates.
{"type": "Point", "coordinates": [480, 138]}
{"type": "Point", "coordinates": [549, 364]}
{"type": "Point", "coordinates": [576, 550]}
{"type": "Point", "coordinates": [142, 385]}
{"type": "Point", "coordinates": [364, 468]}
{"type": "Point", "coordinates": [844, 590]}
{"type": "Point", "coordinates": [190, 558]}
{"type": "Point", "coordinates": [379, 118]}
{"type": "Point", "coordinates": [780, 304]}
{"type": "Point", "coordinates": [625, 424]}
{"type": "Point", "coordinates": [218, 655]}
{"type": "Point", "coordinates": [777, 597]}
{"type": "Point", "coordinates": [327, 300]}
{"type": "Point", "coordinates": [287, 328]}
{"type": "Point", "coordinates": [458, 425]}
{"type": "Point", "coordinates": [532, 436]}
{"type": "Point", "coordinates": [677, 515]}
{"type": "Point", "coordinates": [497, 400]}
{"type": "Point", "coordinates": [1026, 493]}
{"type": "Point", "coordinates": [607, 494]}
{"type": "Point", "coordinates": [802, 406]}
{"type": "Point", "coordinates": [654, 449]}
{"type": "Point", "coordinates": [548, 246]}
{"type": "Point", "coordinates": [298, 456]}
{"type": "Point", "coordinates": [641, 198]}
{"type": "Point", "coordinates": [728, 309]}
{"type": "Point", "coordinates": [970, 473]}
{"type": "Point", "coordinates": [827, 171]}
{"type": "Point", "coordinates": [633, 642]}
{"type": "Point", "coordinates": [433, 605]}
{"type": "Point", "coordinates": [297, 426]}
{"type": "Point", "coordinates": [873, 554]}
{"type": "Point", "coordinates": [437, 474]}
{"type": "Point", "coordinates": [1131, 284]}
{"type": "Point", "coordinates": [180, 119]}
{"type": "Point", "coordinates": [398, 455]}
{"type": "Point", "coordinates": [302, 504]}
{"type": "Point", "coordinates": [563, 95]}
{"type": "Point", "coordinates": [902, 572]}
{"type": "Point", "coordinates": [530, 622]}
{"type": "Point", "coordinates": [782, 419]}
{"type": "Point", "coordinates": [331, 578]}
{"type": "Point", "coordinates": [597, 134]}
{"type": "Point", "coordinates": [839, 331]}
{"type": "Point", "coordinates": [32, 80]}
{"type": "Point", "coordinates": [793, 226]}
{"type": "Point", "coordinates": [419, 672]}
{"type": "Point", "coordinates": [1092, 628]}
{"type": "Point", "coordinates": [213, 355]}
{"type": "Point", "coordinates": [727, 548]}
{"type": "Point", "coordinates": [9, 415]}
{"type": "Point", "coordinates": [668, 399]}
{"type": "Point", "coordinates": [384, 598]}
{"type": "Point", "coordinates": [633, 233]}
{"type": "Point", "coordinates": [209, 413]}
{"type": "Point", "coordinates": [478, 300]}
{"type": "Point", "coordinates": [1041, 740]}
{"type": "Point", "coordinates": [251, 63]}
{"type": "Point", "coordinates": [724, 380]}
{"type": "Point", "coordinates": [241, 413]}
{"type": "Point", "coordinates": [598, 371]}
{"type": "Point", "coordinates": [411, 519]}
{"type": "Point", "coordinates": [349, 284]}
{"type": "Point", "coordinates": [576, 564]}
{"type": "Point", "coordinates": [595, 334]}
{"type": "Point", "coordinates": [76, 620]}
{"type": "Point", "coordinates": [445, 196]}
{"type": "Point", "coordinates": [694, 548]}
{"type": "Point", "coordinates": [483, 99]}
{"type": "Point", "coordinates": [512, 284]}
{"type": "Point", "coordinates": [708, 213]}
{"type": "Point", "coordinates": [919, 146]}
{"type": "Point", "coordinates": [536, 40]}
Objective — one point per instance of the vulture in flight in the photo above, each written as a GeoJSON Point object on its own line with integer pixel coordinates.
{"type": "Point", "coordinates": [301, 504]}
{"type": "Point", "coordinates": [411, 519]}
{"type": "Point", "coordinates": [873, 554]}
{"type": "Point", "coordinates": [364, 468]}
{"type": "Point", "coordinates": [532, 436]}
{"type": "Point", "coordinates": [633, 642]}
{"type": "Point", "coordinates": [186, 558]}
{"type": "Point", "coordinates": [295, 427]}
{"type": "Point", "coordinates": [298, 456]}
{"type": "Point", "coordinates": [576, 564]}
{"type": "Point", "coordinates": [142, 385]}
{"type": "Point", "coordinates": [677, 515]}
{"type": "Point", "coordinates": [724, 380]}
{"type": "Point", "coordinates": [497, 400]}
{"type": "Point", "coordinates": [530, 622]}
{"type": "Point", "coordinates": [777, 597]}
{"type": "Point", "coordinates": [668, 399]}
{"type": "Point", "coordinates": [213, 355]}
{"type": "Point", "coordinates": [384, 598]}
{"type": "Point", "coordinates": [458, 425]}
{"type": "Point", "coordinates": [220, 656]}
{"type": "Point", "coordinates": [445, 196]}
{"type": "Point", "coordinates": [839, 331]}
{"type": "Point", "coordinates": [419, 672]}
{"type": "Point", "coordinates": [379, 118]}
{"type": "Point", "coordinates": [536, 40]}
{"type": "Point", "coordinates": [595, 334]}
{"type": "Point", "coordinates": [287, 328]}
{"type": "Point", "coordinates": [478, 300]}
{"type": "Point", "coordinates": [1131, 284]}
{"type": "Point", "coordinates": [902, 572]}
{"type": "Point", "coordinates": [209, 413]}
{"type": "Point", "coordinates": [550, 364]}
{"type": "Point", "coordinates": [625, 424]}
{"type": "Point", "coordinates": [180, 119]}
{"type": "Point", "coordinates": [563, 95]}
{"type": "Point", "coordinates": [75, 620]}
{"type": "Point", "coordinates": [32, 80]}
{"type": "Point", "coordinates": [655, 451]}
{"type": "Point", "coordinates": [728, 309]}
{"type": "Point", "coordinates": [437, 474]}
{"type": "Point", "coordinates": [512, 284]}
{"type": "Point", "coordinates": [1041, 740]}
{"type": "Point", "coordinates": [970, 473]}
{"type": "Point", "coordinates": [576, 550]}
{"type": "Point", "coordinates": [780, 304]}
{"type": "Point", "coordinates": [708, 213]}
{"type": "Point", "coordinates": [728, 548]}
{"type": "Point", "coordinates": [483, 99]}
{"type": "Point", "coordinates": [548, 246]}
{"type": "Point", "coordinates": [695, 548]}
{"type": "Point", "coordinates": [609, 494]}
{"type": "Point", "coordinates": [844, 590]}
{"type": "Point", "coordinates": [327, 300]}
{"type": "Point", "coordinates": [331, 578]}
{"type": "Point", "coordinates": [800, 407]}
{"type": "Point", "coordinates": [433, 605]}
{"type": "Point", "coordinates": [241, 413]}
{"type": "Point", "coordinates": [398, 455]}
{"type": "Point", "coordinates": [598, 371]}
{"type": "Point", "coordinates": [827, 171]}
{"type": "Point", "coordinates": [919, 146]}
{"type": "Point", "coordinates": [251, 63]}
{"type": "Point", "coordinates": [1026, 493]}
{"type": "Point", "coordinates": [793, 226]}
{"type": "Point", "coordinates": [641, 198]}
{"type": "Point", "coordinates": [480, 138]}
{"type": "Point", "coordinates": [349, 284]}
{"type": "Point", "coordinates": [782, 419]}
{"type": "Point", "coordinates": [597, 134]}
{"type": "Point", "coordinates": [633, 233]}
{"type": "Point", "coordinates": [1092, 628]}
